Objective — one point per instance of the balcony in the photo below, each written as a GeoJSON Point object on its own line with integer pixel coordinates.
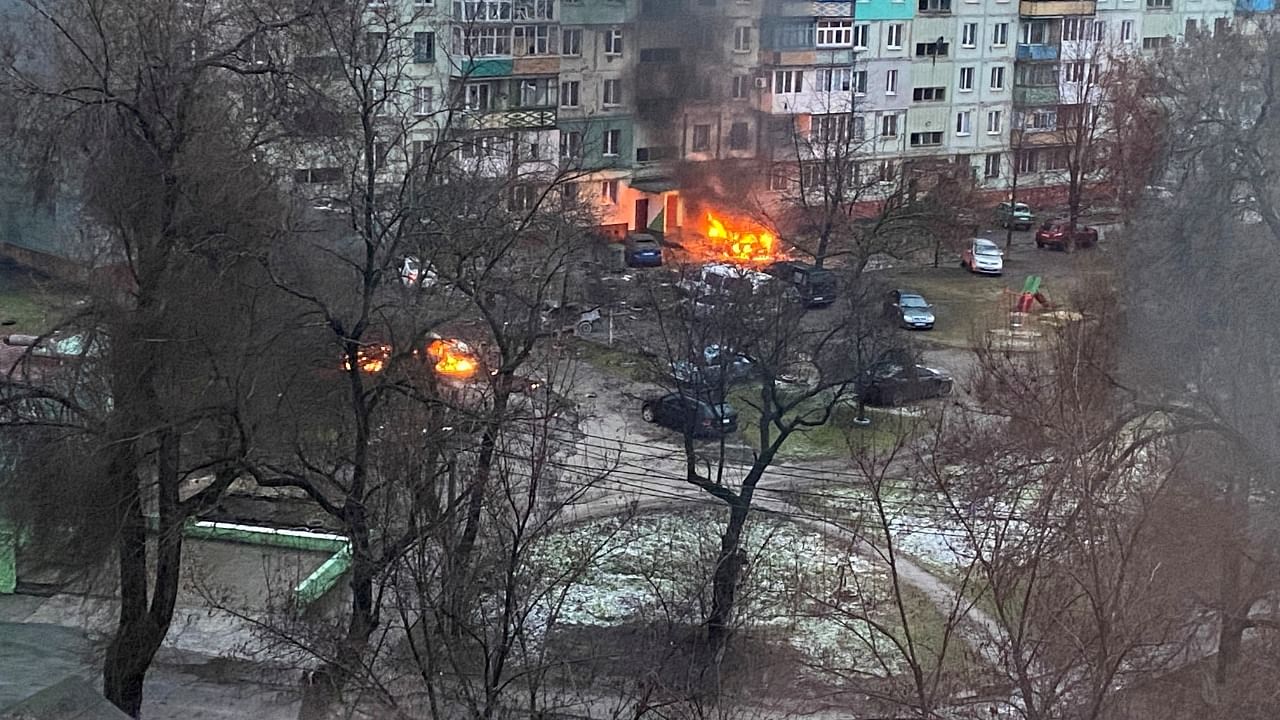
{"type": "Point", "coordinates": [515, 119]}
{"type": "Point", "coordinates": [1037, 52]}
{"type": "Point", "coordinates": [1056, 8]}
{"type": "Point", "coordinates": [1032, 95]}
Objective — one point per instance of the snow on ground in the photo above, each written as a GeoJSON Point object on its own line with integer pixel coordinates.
{"type": "Point", "coordinates": [658, 567]}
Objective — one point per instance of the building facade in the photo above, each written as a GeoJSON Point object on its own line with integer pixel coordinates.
{"type": "Point", "coordinates": [656, 103]}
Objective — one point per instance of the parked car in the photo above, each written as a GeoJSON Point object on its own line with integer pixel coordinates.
{"type": "Point", "coordinates": [910, 310]}
{"type": "Point", "coordinates": [691, 415]}
{"type": "Point", "coordinates": [642, 250]}
{"type": "Point", "coordinates": [1060, 235]}
{"type": "Point", "coordinates": [723, 279]}
{"type": "Point", "coordinates": [892, 383]}
{"type": "Point", "coordinates": [570, 318]}
{"type": "Point", "coordinates": [816, 286]}
{"type": "Point", "coordinates": [1015, 214]}
{"type": "Point", "coordinates": [715, 367]}
{"type": "Point", "coordinates": [983, 256]}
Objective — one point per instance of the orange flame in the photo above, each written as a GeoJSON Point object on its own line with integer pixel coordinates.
{"type": "Point", "coordinates": [750, 244]}
{"type": "Point", "coordinates": [372, 359]}
{"type": "Point", "coordinates": [453, 358]}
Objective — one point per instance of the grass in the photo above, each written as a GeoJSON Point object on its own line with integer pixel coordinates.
{"type": "Point", "coordinates": [963, 302]}
{"type": "Point", "coordinates": [838, 437]}
{"type": "Point", "coordinates": [614, 360]}
{"type": "Point", "coordinates": [30, 303]}
{"type": "Point", "coordinates": [929, 631]}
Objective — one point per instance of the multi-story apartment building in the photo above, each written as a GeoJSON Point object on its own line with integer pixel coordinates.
{"type": "Point", "coordinates": [656, 104]}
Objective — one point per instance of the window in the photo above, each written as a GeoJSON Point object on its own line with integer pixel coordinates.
{"type": "Point", "coordinates": [860, 34]}
{"type": "Point", "coordinates": [482, 9]}
{"type": "Point", "coordinates": [921, 139]}
{"type": "Point", "coordinates": [609, 191]}
{"type": "Point", "coordinates": [835, 33]}
{"type": "Point", "coordinates": [613, 42]}
{"type": "Point", "coordinates": [935, 6]}
{"type": "Point", "coordinates": [571, 41]}
{"type": "Point", "coordinates": [1073, 28]}
{"type": "Point", "coordinates": [1056, 159]}
{"type": "Point", "coordinates": [1000, 34]}
{"type": "Point", "coordinates": [829, 128]}
{"type": "Point", "coordinates": [1126, 31]}
{"type": "Point", "coordinates": [741, 86]}
{"type": "Point", "coordinates": [835, 79]}
{"type": "Point", "coordinates": [534, 92]}
{"type": "Point", "coordinates": [523, 197]}
{"type": "Point", "coordinates": [422, 100]}
{"type": "Point", "coordinates": [534, 40]}
{"type": "Point", "coordinates": [778, 180]}
{"type": "Point", "coordinates": [788, 81]}
{"type": "Point", "coordinates": [475, 41]}
{"type": "Point", "coordinates": [612, 92]}
{"type": "Point", "coordinates": [991, 166]}
{"type": "Point", "coordinates": [1159, 4]}
{"type": "Point", "coordinates": [891, 82]}
{"type": "Point", "coordinates": [1073, 72]}
{"type": "Point", "coordinates": [932, 49]}
{"type": "Point", "coordinates": [1038, 75]}
{"type": "Point", "coordinates": [963, 122]}
{"type": "Point", "coordinates": [1040, 120]}
{"type": "Point", "coordinates": [993, 122]}
{"type": "Point", "coordinates": [569, 93]}
{"type": "Point", "coordinates": [893, 37]}
{"type": "Point", "coordinates": [570, 144]}
{"type": "Point", "coordinates": [701, 138]}
{"type": "Point", "coordinates": [742, 39]}
{"type": "Point", "coordinates": [888, 171]}
{"type": "Point", "coordinates": [969, 35]}
{"type": "Point", "coordinates": [612, 141]}
{"type": "Point", "coordinates": [860, 82]}
{"type": "Point", "coordinates": [889, 126]}
{"type": "Point", "coordinates": [424, 47]}
{"type": "Point", "coordinates": [1028, 161]}
{"type": "Point", "coordinates": [929, 94]}
{"type": "Point", "coordinates": [1155, 43]}
{"type": "Point", "coordinates": [476, 96]}
{"type": "Point", "coordinates": [997, 77]}
{"type": "Point", "coordinates": [1098, 31]}
{"type": "Point", "coordinates": [739, 137]}
{"type": "Point", "coordinates": [1035, 32]}
{"type": "Point", "coordinates": [966, 79]}
{"type": "Point", "coordinates": [374, 46]}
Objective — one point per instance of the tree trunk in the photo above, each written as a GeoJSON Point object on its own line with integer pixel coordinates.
{"type": "Point", "coordinates": [724, 583]}
{"type": "Point", "coordinates": [132, 648]}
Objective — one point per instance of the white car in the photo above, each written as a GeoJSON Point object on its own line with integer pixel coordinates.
{"type": "Point", "coordinates": [723, 279]}
{"type": "Point", "coordinates": [983, 256]}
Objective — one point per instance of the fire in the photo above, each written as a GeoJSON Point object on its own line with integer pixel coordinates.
{"type": "Point", "coordinates": [745, 243]}
{"type": "Point", "coordinates": [453, 358]}
{"type": "Point", "coordinates": [372, 359]}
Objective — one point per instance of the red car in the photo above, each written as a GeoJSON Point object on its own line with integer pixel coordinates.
{"type": "Point", "coordinates": [1059, 235]}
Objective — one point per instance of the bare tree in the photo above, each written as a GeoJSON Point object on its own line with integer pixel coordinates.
{"type": "Point", "coordinates": [141, 103]}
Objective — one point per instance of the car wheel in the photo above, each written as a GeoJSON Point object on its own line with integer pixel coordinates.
{"type": "Point", "coordinates": [646, 412]}
{"type": "Point", "coordinates": [583, 328]}
{"type": "Point", "coordinates": [1039, 245]}
{"type": "Point", "coordinates": [944, 389]}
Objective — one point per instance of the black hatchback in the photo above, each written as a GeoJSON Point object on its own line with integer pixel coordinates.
{"type": "Point", "coordinates": [691, 416]}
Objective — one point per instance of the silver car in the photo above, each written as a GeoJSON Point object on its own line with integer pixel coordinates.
{"type": "Point", "coordinates": [910, 310]}
{"type": "Point", "coordinates": [983, 256]}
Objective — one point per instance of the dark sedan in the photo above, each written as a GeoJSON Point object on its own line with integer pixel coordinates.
{"type": "Point", "coordinates": [691, 416]}
{"type": "Point", "coordinates": [1060, 235]}
{"type": "Point", "coordinates": [910, 310]}
{"type": "Point", "coordinates": [643, 251]}
{"type": "Point", "coordinates": [891, 383]}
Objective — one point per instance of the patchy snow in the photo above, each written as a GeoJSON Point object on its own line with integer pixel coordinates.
{"type": "Point", "coordinates": [799, 583]}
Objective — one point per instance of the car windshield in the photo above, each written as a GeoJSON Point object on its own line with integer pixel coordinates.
{"type": "Point", "coordinates": [1020, 208]}
{"type": "Point", "coordinates": [913, 301]}
{"type": "Point", "coordinates": [986, 249]}
{"type": "Point", "coordinates": [723, 410]}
